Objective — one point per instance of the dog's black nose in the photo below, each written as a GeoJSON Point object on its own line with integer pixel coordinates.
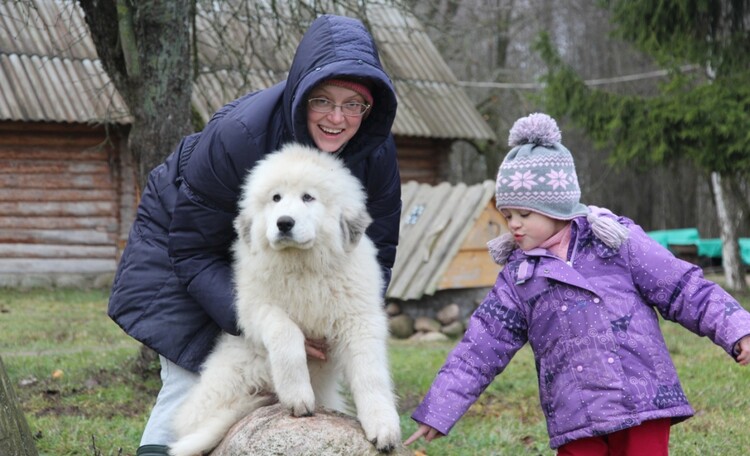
{"type": "Point", "coordinates": [285, 223]}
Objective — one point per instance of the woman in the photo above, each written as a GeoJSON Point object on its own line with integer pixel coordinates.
{"type": "Point", "coordinates": [173, 290]}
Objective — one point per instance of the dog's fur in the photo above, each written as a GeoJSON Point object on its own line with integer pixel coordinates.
{"type": "Point", "coordinates": [303, 269]}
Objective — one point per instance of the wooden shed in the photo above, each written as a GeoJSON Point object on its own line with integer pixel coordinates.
{"type": "Point", "coordinates": [443, 242]}
{"type": "Point", "coordinates": [62, 202]}
{"type": "Point", "coordinates": [67, 188]}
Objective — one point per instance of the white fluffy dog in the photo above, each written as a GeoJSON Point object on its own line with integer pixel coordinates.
{"type": "Point", "coordinates": [303, 269]}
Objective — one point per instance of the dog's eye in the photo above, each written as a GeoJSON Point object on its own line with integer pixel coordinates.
{"type": "Point", "coordinates": [276, 198]}
{"type": "Point", "coordinates": [307, 198]}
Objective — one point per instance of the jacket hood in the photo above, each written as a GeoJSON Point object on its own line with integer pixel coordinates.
{"type": "Point", "coordinates": [337, 46]}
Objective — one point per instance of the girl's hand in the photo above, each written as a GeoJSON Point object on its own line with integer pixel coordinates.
{"type": "Point", "coordinates": [744, 347]}
{"type": "Point", "coordinates": [429, 434]}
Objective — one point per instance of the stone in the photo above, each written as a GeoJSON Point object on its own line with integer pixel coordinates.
{"type": "Point", "coordinates": [449, 314]}
{"type": "Point", "coordinates": [453, 330]}
{"type": "Point", "coordinates": [392, 309]}
{"type": "Point", "coordinates": [429, 337]}
{"type": "Point", "coordinates": [426, 324]}
{"type": "Point", "coordinates": [401, 326]}
{"type": "Point", "coordinates": [272, 430]}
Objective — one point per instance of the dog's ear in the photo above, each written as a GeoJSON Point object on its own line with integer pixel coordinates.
{"type": "Point", "coordinates": [242, 225]}
{"type": "Point", "coordinates": [353, 227]}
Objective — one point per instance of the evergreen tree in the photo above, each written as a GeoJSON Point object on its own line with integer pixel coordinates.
{"type": "Point", "coordinates": [702, 111]}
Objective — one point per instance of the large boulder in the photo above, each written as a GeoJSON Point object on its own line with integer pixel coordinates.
{"type": "Point", "coordinates": [273, 431]}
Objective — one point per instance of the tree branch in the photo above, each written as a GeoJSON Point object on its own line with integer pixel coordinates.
{"type": "Point", "coordinates": [127, 39]}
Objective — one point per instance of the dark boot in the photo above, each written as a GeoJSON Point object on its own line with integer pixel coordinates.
{"type": "Point", "coordinates": [152, 450]}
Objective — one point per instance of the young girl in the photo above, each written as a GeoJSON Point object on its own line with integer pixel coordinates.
{"type": "Point", "coordinates": [582, 286]}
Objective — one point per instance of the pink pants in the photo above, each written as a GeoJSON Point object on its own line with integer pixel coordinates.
{"type": "Point", "coordinates": [649, 438]}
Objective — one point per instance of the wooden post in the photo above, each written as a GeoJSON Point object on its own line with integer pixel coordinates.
{"type": "Point", "coordinates": [15, 436]}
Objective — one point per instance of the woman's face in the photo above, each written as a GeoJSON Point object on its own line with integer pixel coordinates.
{"type": "Point", "coordinates": [530, 229]}
{"type": "Point", "coordinates": [332, 130]}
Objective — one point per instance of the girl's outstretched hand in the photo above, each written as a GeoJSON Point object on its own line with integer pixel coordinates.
{"type": "Point", "coordinates": [429, 434]}
{"type": "Point", "coordinates": [744, 346]}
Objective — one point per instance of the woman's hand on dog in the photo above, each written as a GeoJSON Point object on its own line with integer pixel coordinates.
{"type": "Point", "coordinates": [316, 348]}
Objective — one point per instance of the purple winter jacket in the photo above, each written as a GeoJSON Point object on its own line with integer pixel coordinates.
{"type": "Point", "coordinates": [601, 360]}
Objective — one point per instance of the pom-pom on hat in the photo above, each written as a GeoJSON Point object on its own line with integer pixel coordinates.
{"type": "Point", "coordinates": [539, 174]}
{"type": "Point", "coordinates": [358, 87]}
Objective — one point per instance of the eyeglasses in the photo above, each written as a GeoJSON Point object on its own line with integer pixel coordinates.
{"type": "Point", "coordinates": [349, 109]}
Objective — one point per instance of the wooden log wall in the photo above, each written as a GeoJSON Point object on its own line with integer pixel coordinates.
{"type": "Point", "coordinates": [59, 200]}
{"type": "Point", "coordinates": [423, 160]}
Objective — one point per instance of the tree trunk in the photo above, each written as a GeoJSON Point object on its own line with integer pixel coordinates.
{"type": "Point", "coordinates": [729, 212]}
{"type": "Point", "coordinates": [147, 56]}
{"type": "Point", "coordinates": [15, 436]}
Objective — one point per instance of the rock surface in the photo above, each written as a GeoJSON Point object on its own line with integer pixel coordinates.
{"type": "Point", "coordinates": [273, 431]}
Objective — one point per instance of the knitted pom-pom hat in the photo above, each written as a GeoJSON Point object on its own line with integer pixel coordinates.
{"type": "Point", "coordinates": [539, 174]}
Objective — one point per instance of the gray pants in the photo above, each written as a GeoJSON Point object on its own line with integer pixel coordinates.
{"type": "Point", "coordinates": [176, 383]}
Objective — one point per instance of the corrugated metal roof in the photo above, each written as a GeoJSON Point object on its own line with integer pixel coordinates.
{"type": "Point", "coordinates": [434, 222]}
{"type": "Point", "coordinates": [49, 69]}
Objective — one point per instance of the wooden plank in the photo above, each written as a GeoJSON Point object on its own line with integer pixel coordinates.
{"type": "Point", "coordinates": [108, 224]}
{"type": "Point", "coordinates": [55, 153]}
{"type": "Point", "coordinates": [489, 225]}
{"type": "Point", "coordinates": [54, 140]}
{"type": "Point", "coordinates": [53, 208]}
{"type": "Point", "coordinates": [57, 265]}
{"type": "Point", "coordinates": [87, 237]}
{"type": "Point", "coordinates": [56, 251]}
{"type": "Point", "coordinates": [56, 181]}
{"type": "Point", "coordinates": [53, 167]}
{"type": "Point", "coordinates": [408, 192]}
{"type": "Point", "coordinates": [23, 127]}
{"type": "Point", "coordinates": [470, 269]}
{"type": "Point", "coordinates": [423, 176]}
{"type": "Point", "coordinates": [63, 194]}
{"type": "Point", "coordinates": [415, 221]}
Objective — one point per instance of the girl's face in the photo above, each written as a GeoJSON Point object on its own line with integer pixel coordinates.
{"type": "Point", "coordinates": [530, 229]}
{"type": "Point", "coordinates": [332, 130]}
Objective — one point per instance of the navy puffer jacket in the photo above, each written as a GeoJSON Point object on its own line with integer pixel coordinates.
{"type": "Point", "coordinates": [173, 288]}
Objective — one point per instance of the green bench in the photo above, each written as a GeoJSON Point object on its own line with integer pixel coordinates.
{"type": "Point", "coordinates": [687, 244]}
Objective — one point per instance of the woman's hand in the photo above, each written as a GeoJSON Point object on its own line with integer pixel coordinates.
{"type": "Point", "coordinates": [316, 348]}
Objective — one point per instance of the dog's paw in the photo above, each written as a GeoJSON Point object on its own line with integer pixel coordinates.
{"type": "Point", "coordinates": [385, 433]}
{"type": "Point", "coordinates": [301, 404]}
{"type": "Point", "coordinates": [387, 441]}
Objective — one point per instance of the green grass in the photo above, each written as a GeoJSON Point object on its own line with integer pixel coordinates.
{"type": "Point", "coordinates": [101, 402]}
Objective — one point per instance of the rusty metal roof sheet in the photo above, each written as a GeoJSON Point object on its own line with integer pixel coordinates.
{"type": "Point", "coordinates": [49, 71]}
{"type": "Point", "coordinates": [434, 222]}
